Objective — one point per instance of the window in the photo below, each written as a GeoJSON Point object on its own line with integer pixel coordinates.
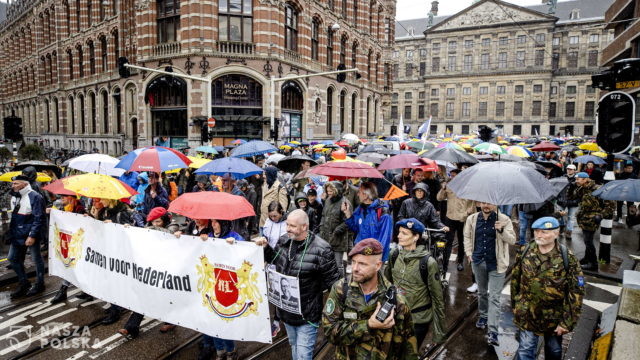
{"type": "Point", "coordinates": [540, 38]}
{"type": "Point", "coordinates": [502, 60]}
{"type": "Point", "coordinates": [423, 68]}
{"type": "Point", "coordinates": [466, 91]}
{"type": "Point", "coordinates": [103, 9]}
{"type": "Point", "coordinates": [435, 64]}
{"type": "Point", "coordinates": [536, 109]}
{"type": "Point", "coordinates": [572, 59]}
{"type": "Point", "coordinates": [589, 109]}
{"type": "Point", "coordinates": [453, 45]}
{"type": "Point", "coordinates": [331, 5]}
{"type": "Point", "coordinates": [423, 53]}
{"type": "Point", "coordinates": [484, 90]}
{"type": "Point", "coordinates": [434, 108]}
{"type": "Point", "coordinates": [435, 46]}
{"type": "Point", "coordinates": [519, 89]}
{"type": "Point", "coordinates": [451, 65]}
{"type": "Point", "coordinates": [394, 112]}
{"type": "Point", "coordinates": [92, 58]}
{"type": "Point", "coordinates": [291, 28]}
{"type": "Point", "coordinates": [80, 62]}
{"type": "Point", "coordinates": [330, 47]}
{"type": "Point", "coordinates": [501, 89]}
{"type": "Point", "coordinates": [421, 112]}
{"type": "Point", "coordinates": [468, 62]}
{"type": "Point", "coordinates": [434, 129]}
{"type": "Point", "coordinates": [422, 95]}
{"type": "Point", "coordinates": [466, 109]}
{"type": "Point", "coordinates": [408, 70]}
{"type": "Point", "coordinates": [484, 61]}
{"type": "Point", "coordinates": [344, 8]}
{"type": "Point", "coordinates": [522, 39]}
{"type": "Point", "coordinates": [343, 50]}
{"type": "Point", "coordinates": [394, 97]}
{"type": "Point", "coordinates": [396, 54]}
{"type": "Point", "coordinates": [556, 41]}
{"type": "Point", "coordinates": [354, 55]}
{"type": "Point", "coordinates": [552, 129]}
{"type": "Point", "coordinates": [468, 44]}
{"type": "Point", "coordinates": [517, 129]}
{"type": "Point", "coordinates": [517, 108]}
{"type": "Point", "coordinates": [408, 95]}
{"type": "Point", "coordinates": [342, 109]}
{"type": "Point", "coordinates": [407, 112]}
{"type": "Point", "coordinates": [70, 58]}
{"type": "Point", "coordinates": [315, 30]}
{"type": "Point", "coordinates": [554, 90]}
{"type": "Point", "coordinates": [168, 20]}
{"type": "Point", "coordinates": [573, 40]}
{"type": "Point", "coordinates": [103, 49]}
{"type": "Point", "coordinates": [571, 90]}
{"type": "Point", "coordinates": [593, 58]}
{"type": "Point", "coordinates": [89, 12]}
{"type": "Point", "coordinates": [435, 92]}
{"type": "Point", "coordinates": [503, 41]}
{"type": "Point", "coordinates": [570, 109]}
{"type": "Point", "coordinates": [396, 70]}
{"type": "Point", "coordinates": [482, 108]}
{"type": "Point", "coordinates": [537, 88]}
{"type": "Point", "coordinates": [486, 42]}
{"type": "Point", "coordinates": [465, 129]}
{"type": "Point", "coordinates": [535, 130]}
{"type": "Point", "coordinates": [449, 109]}
{"type": "Point", "coordinates": [520, 61]}
{"type": "Point", "coordinates": [594, 38]}
{"type": "Point", "coordinates": [539, 58]}
{"type": "Point", "coordinates": [451, 91]}
{"type": "Point", "coordinates": [500, 108]}
{"type": "Point", "coordinates": [355, 17]}
{"type": "Point", "coordinates": [555, 61]}
{"type": "Point", "coordinates": [409, 54]}
{"type": "Point", "coordinates": [590, 90]}
{"type": "Point", "coordinates": [588, 130]}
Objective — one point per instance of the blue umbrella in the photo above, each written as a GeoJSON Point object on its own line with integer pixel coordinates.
{"type": "Point", "coordinates": [620, 190]}
{"type": "Point", "coordinates": [327, 142]}
{"type": "Point", "coordinates": [238, 168]}
{"type": "Point", "coordinates": [153, 158]}
{"type": "Point", "coordinates": [586, 158]}
{"type": "Point", "coordinates": [219, 148]}
{"type": "Point", "coordinates": [207, 149]}
{"type": "Point", "coordinates": [253, 148]}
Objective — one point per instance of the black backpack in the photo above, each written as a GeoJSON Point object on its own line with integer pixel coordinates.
{"type": "Point", "coordinates": [424, 268]}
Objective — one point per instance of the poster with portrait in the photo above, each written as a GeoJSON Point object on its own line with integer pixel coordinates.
{"type": "Point", "coordinates": [283, 291]}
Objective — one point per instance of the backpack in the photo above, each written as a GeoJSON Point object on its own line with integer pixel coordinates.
{"type": "Point", "coordinates": [563, 252]}
{"type": "Point", "coordinates": [424, 274]}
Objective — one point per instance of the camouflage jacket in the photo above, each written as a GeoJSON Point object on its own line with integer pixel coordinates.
{"type": "Point", "coordinates": [591, 207]}
{"type": "Point", "coordinates": [543, 294]}
{"type": "Point", "coordinates": [344, 322]}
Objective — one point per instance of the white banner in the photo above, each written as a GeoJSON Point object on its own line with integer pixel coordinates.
{"type": "Point", "coordinates": [211, 286]}
{"type": "Point", "coordinates": [284, 291]}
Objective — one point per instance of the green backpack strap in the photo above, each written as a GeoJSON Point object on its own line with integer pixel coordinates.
{"type": "Point", "coordinates": [565, 257]}
{"type": "Point", "coordinates": [424, 272]}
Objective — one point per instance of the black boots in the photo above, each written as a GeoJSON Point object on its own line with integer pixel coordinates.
{"type": "Point", "coordinates": [21, 291]}
{"type": "Point", "coordinates": [60, 296]}
{"type": "Point", "coordinates": [35, 289]}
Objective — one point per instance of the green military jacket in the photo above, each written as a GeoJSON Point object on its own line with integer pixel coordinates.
{"type": "Point", "coordinates": [344, 321]}
{"type": "Point", "coordinates": [426, 303]}
{"type": "Point", "coordinates": [591, 206]}
{"type": "Point", "coordinates": [543, 294]}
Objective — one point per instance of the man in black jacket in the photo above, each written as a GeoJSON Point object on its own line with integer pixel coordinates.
{"type": "Point", "coordinates": [419, 207]}
{"type": "Point", "coordinates": [301, 254]}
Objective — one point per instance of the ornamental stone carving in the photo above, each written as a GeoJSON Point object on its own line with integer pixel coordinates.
{"type": "Point", "coordinates": [489, 13]}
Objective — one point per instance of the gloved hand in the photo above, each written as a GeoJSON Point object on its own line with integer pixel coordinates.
{"type": "Point", "coordinates": [597, 218]}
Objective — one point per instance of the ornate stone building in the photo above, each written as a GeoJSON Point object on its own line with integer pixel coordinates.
{"type": "Point", "coordinates": [526, 70]}
{"type": "Point", "coordinates": [59, 66]}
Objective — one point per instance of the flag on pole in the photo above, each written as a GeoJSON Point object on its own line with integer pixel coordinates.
{"type": "Point", "coordinates": [401, 129]}
{"type": "Point", "coordinates": [394, 193]}
{"type": "Point", "coordinates": [423, 130]}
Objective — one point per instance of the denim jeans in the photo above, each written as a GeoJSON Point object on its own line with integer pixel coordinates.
{"type": "Point", "coordinates": [590, 248]}
{"type": "Point", "coordinates": [524, 227]}
{"type": "Point", "coordinates": [489, 304]}
{"type": "Point", "coordinates": [529, 343]}
{"type": "Point", "coordinates": [302, 340]}
{"type": "Point", "coordinates": [506, 209]}
{"type": "Point", "coordinates": [218, 344]}
{"type": "Point", "coordinates": [17, 254]}
{"type": "Point", "coordinates": [570, 218]}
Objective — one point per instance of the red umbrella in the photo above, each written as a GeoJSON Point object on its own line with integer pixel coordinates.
{"type": "Point", "coordinates": [57, 187]}
{"type": "Point", "coordinates": [342, 143]}
{"type": "Point", "coordinates": [345, 170]}
{"type": "Point", "coordinates": [546, 146]}
{"type": "Point", "coordinates": [212, 205]}
{"type": "Point", "coordinates": [431, 165]}
{"type": "Point", "coordinates": [403, 161]}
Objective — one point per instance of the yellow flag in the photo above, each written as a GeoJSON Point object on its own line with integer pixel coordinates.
{"type": "Point", "coordinates": [394, 193]}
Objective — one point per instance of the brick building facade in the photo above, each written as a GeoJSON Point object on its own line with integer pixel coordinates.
{"type": "Point", "coordinates": [59, 67]}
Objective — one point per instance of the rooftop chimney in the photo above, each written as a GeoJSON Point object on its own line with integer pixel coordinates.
{"type": "Point", "coordinates": [434, 8]}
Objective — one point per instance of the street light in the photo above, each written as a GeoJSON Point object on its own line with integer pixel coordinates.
{"type": "Point", "coordinates": [335, 27]}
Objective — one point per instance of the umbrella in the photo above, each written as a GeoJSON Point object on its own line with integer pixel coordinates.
{"type": "Point", "coordinates": [570, 148]}
{"type": "Point", "coordinates": [154, 158]}
{"type": "Point", "coordinates": [450, 155]}
{"type": "Point", "coordinates": [509, 157]}
{"type": "Point", "coordinates": [42, 177]}
{"type": "Point", "coordinates": [502, 183]}
{"type": "Point", "coordinates": [57, 187]}
{"type": "Point", "coordinates": [196, 163]}
{"type": "Point", "coordinates": [253, 148]}
{"type": "Point", "coordinates": [372, 157]}
{"type": "Point", "coordinates": [98, 186]}
{"type": "Point", "coordinates": [274, 159]}
{"type": "Point", "coordinates": [39, 166]}
{"type": "Point", "coordinates": [373, 148]}
{"type": "Point", "coordinates": [207, 149]}
{"type": "Point", "coordinates": [402, 161]}
{"type": "Point", "coordinates": [559, 183]}
{"type": "Point", "coordinates": [590, 146]}
{"type": "Point", "coordinates": [343, 143]}
{"type": "Point", "coordinates": [238, 168]}
{"type": "Point", "coordinates": [450, 145]}
{"type": "Point", "coordinates": [219, 148]}
{"type": "Point", "coordinates": [519, 151]}
{"type": "Point", "coordinates": [238, 142]}
{"type": "Point", "coordinates": [545, 146]}
{"type": "Point", "coordinates": [96, 163]}
{"type": "Point", "coordinates": [600, 154]}
{"type": "Point", "coordinates": [586, 158]}
{"type": "Point", "coordinates": [620, 190]}
{"type": "Point", "coordinates": [345, 170]}
{"type": "Point", "coordinates": [212, 205]}
{"type": "Point", "coordinates": [292, 164]}
{"type": "Point", "coordinates": [419, 145]}
{"type": "Point", "coordinates": [351, 138]}
{"type": "Point", "coordinates": [626, 157]}
{"type": "Point", "coordinates": [489, 148]}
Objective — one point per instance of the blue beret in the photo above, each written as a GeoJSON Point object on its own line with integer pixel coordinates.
{"type": "Point", "coordinates": [546, 223]}
{"type": "Point", "coordinates": [412, 224]}
{"type": "Point", "coordinates": [582, 175]}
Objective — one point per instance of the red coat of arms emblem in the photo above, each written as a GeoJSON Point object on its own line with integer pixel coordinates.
{"type": "Point", "coordinates": [225, 288]}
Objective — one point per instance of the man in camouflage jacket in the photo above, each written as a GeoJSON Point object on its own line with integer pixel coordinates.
{"type": "Point", "coordinates": [547, 287]}
{"type": "Point", "coordinates": [592, 210]}
{"type": "Point", "coordinates": [349, 317]}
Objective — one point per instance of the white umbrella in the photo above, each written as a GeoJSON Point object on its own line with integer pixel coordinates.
{"type": "Point", "coordinates": [274, 159]}
{"type": "Point", "coordinates": [96, 164]}
{"type": "Point", "coordinates": [351, 138]}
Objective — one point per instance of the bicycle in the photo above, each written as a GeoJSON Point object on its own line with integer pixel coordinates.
{"type": "Point", "coordinates": [436, 244]}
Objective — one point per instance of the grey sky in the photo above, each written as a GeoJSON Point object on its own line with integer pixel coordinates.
{"type": "Point", "coordinates": [413, 9]}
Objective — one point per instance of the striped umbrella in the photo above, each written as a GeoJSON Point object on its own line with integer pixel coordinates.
{"type": "Point", "coordinates": [519, 151]}
{"type": "Point", "coordinates": [489, 148]}
{"type": "Point", "coordinates": [154, 158]}
{"type": "Point", "coordinates": [451, 145]}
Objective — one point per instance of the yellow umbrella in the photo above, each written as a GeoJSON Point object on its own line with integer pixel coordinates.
{"type": "Point", "coordinates": [42, 177]}
{"type": "Point", "coordinates": [589, 147]}
{"type": "Point", "coordinates": [98, 186]}
{"type": "Point", "coordinates": [285, 147]}
{"type": "Point", "coordinates": [196, 163]}
{"type": "Point", "coordinates": [600, 154]}
{"type": "Point", "coordinates": [295, 142]}
{"type": "Point", "coordinates": [502, 142]}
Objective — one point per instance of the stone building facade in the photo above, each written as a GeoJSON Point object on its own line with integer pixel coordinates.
{"type": "Point", "coordinates": [520, 69]}
{"type": "Point", "coordinates": [59, 67]}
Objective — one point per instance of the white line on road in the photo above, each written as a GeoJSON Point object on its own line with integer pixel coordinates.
{"type": "Point", "coordinates": [14, 332]}
{"type": "Point", "coordinates": [34, 339]}
{"type": "Point", "coordinates": [24, 308]}
{"type": "Point", "coordinates": [78, 355]}
{"type": "Point", "coordinates": [57, 315]}
{"type": "Point", "coordinates": [117, 335]}
{"type": "Point", "coordinates": [90, 302]}
{"type": "Point", "coordinates": [20, 318]}
{"type": "Point", "coordinates": [123, 340]}
{"type": "Point", "coordinates": [47, 309]}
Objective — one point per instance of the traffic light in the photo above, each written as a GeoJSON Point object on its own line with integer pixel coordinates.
{"type": "Point", "coordinates": [13, 128]}
{"type": "Point", "coordinates": [616, 122]}
{"type": "Point", "coordinates": [485, 133]}
{"type": "Point", "coordinates": [624, 74]}
{"type": "Point", "coordinates": [342, 76]}
{"type": "Point", "coordinates": [204, 133]}
{"type": "Point", "coordinates": [605, 80]}
{"type": "Point", "coordinates": [123, 70]}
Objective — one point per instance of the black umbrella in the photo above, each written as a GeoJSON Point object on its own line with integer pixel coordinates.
{"type": "Point", "coordinates": [450, 155]}
{"type": "Point", "coordinates": [620, 190]}
{"type": "Point", "coordinates": [570, 148]}
{"type": "Point", "coordinates": [372, 157]}
{"type": "Point", "coordinates": [373, 148]}
{"type": "Point", "coordinates": [39, 166]}
{"type": "Point", "coordinates": [292, 164]}
{"type": "Point", "coordinates": [626, 157]}
{"type": "Point", "coordinates": [559, 183]}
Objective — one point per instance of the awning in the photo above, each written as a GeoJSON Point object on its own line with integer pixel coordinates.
{"type": "Point", "coordinates": [243, 118]}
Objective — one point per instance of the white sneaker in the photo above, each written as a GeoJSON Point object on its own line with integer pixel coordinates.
{"type": "Point", "coordinates": [473, 288]}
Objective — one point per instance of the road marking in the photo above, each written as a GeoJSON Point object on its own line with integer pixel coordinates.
{"type": "Point", "coordinates": [78, 355]}
{"type": "Point", "coordinates": [57, 315]}
{"type": "Point", "coordinates": [123, 340]}
{"type": "Point", "coordinates": [47, 310]}
{"type": "Point", "coordinates": [25, 308]}
{"type": "Point", "coordinates": [14, 332]}
{"type": "Point", "coordinates": [616, 290]}
{"type": "Point", "coordinates": [90, 302]}
{"type": "Point", "coordinates": [598, 305]}
{"type": "Point", "coordinates": [34, 339]}
{"type": "Point", "coordinates": [117, 335]}
{"type": "Point", "coordinates": [20, 318]}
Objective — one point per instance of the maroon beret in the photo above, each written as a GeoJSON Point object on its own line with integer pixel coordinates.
{"type": "Point", "coordinates": [367, 247]}
{"type": "Point", "coordinates": [156, 213]}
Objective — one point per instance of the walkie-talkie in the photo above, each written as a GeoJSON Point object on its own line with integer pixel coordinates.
{"type": "Point", "coordinates": [389, 304]}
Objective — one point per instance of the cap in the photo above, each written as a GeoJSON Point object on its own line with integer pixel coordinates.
{"type": "Point", "coordinates": [582, 175]}
{"type": "Point", "coordinates": [20, 178]}
{"type": "Point", "coordinates": [312, 192]}
{"type": "Point", "coordinates": [367, 247]}
{"type": "Point", "coordinates": [572, 167]}
{"type": "Point", "coordinates": [412, 224]}
{"type": "Point", "coordinates": [546, 223]}
{"type": "Point", "coordinates": [156, 213]}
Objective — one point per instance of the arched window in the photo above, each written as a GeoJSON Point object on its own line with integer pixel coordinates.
{"type": "Point", "coordinates": [78, 7]}
{"type": "Point", "coordinates": [235, 20]}
{"type": "Point", "coordinates": [117, 102]}
{"type": "Point", "coordinates": [368, 115]}
{"type": "Point", "coordinates": [92, 58]}
{"type": "Point", "coordinates": [166, 91]}
{"type": "Point", "coordinates": [329, 110]}
{"type": "Point", "coordinates": [103, 50]}
{"type": "Point", "coordinates": [168, 20]}
{"type": "Point", "coordinates": [343, 50]}
{"type": "Point", "coordinates": [344, 9]}
{"type": "Point", "coordinates": [315, 35]}
{"type": "Point", "coordinates": [291, 28]}
{"type": "Point", "coordinates": [354, 99]}
{"type": "Point", "coordinates": [375, 116]}
{"type": "Point", "coordinates": [343, 95]}
{"type": "Point", "coordinates": [70, 59]}
{"type": "Point", "coordinates": [330, 47]}
{"type": "Point", "coordinates": [47, 118]}
{"type": "Point", "coordinates": [56, 116]}
{"type": "Point", "coordinates": [83, 128]}
{"type": "Point", "coordinates": [71, 114]}
{"type": "Point", "coordinates": [67, 16]}
{"type": "Point", "coordinates": [89, 12]}
{"type": "Point", "coordinates": [105, 112]}
{"type": "Point", "coordinates": [355, 13]}
{"type": "Point", "coordinates": [292, 98]}
{"type": "Point", "coordinates": [369, 65]}
{"type": "Point", "coordinates": [93, 113]}
{"type": "Point", "coordinates": [354, 55]}
{"type": "Point", "coordinates": [103, 9]}
{"type": "Point", "coordinates": [116, 44]}
{"type": "Point", "coordinates": [80, 61]}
